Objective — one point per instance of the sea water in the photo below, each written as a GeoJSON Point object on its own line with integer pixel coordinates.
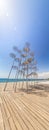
{"type": "Point", "coordinates": [2, 80]}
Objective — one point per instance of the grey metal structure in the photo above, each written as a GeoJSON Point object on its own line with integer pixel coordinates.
{"type": "Point", "coordinates": [24, 64]}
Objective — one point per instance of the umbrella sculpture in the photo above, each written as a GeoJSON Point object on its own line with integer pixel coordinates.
{"type": "Point", "coordinates": [25, 65]}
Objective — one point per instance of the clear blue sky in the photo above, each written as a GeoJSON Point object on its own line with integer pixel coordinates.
{"type": "Point", "coordinates": [21, 21]}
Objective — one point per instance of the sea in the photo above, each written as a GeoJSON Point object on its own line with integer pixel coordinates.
{"type": "Point", "coordinates": [3, 80]}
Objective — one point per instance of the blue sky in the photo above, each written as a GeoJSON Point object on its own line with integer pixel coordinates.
{"type": "Point", "coordinates": [24, 21]}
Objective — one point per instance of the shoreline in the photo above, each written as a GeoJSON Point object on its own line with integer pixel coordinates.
{"type": "Point", "coordinates": [23, 85]}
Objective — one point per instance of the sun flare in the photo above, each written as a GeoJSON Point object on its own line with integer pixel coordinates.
{"type": "Point", "coordinates": [3, 7]}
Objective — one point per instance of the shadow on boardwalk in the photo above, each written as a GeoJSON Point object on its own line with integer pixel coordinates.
{"type": "Point", "coordinates": [39, 90]}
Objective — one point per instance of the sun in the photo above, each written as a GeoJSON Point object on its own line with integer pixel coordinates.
{"type": "Point", "coordinates": [3, 7]}
{"type": "Point", "coordinates": [1, 3]}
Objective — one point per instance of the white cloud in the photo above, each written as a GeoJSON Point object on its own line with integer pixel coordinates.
{"type": "Point", "coordinates": [43, 75]}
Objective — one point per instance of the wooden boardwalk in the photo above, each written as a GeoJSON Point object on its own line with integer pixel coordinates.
{"type": "Point", "coordinates": [21, 111]}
